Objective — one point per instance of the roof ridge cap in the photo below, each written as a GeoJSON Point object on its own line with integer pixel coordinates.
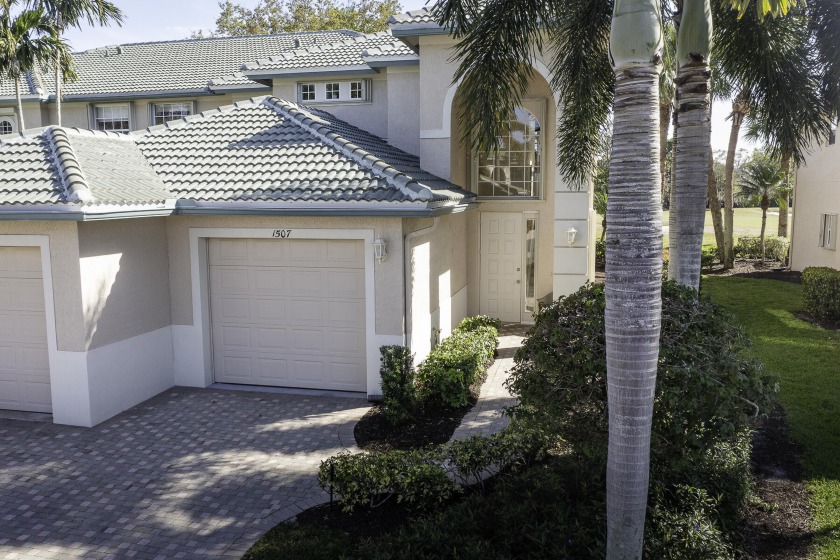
{"type": "Point", "coordinates": [75, 185]}
{"type": "Point", "coordinates": [396, 178]}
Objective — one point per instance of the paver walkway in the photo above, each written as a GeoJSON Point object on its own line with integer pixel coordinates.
{"type": "Point", "coordinates": [486, 416]}
{"type": "Point", "coordinates": [191, 473]}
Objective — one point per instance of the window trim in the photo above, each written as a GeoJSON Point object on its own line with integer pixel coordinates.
{"type": "Point", "coordinates": [539, 104]}
{"type": "Point", "coordinates": [153, 110]}
{"type": "Point", "coordinates": [345, 88]}
{"type": "Point", "coordinates": [10, 120]}
{"type": "Point", "coordinates": [94, 120]}
{"type": "Point", "coordinates": [828, 225]}
{"type": "Point", "coordinates": [301, 93]}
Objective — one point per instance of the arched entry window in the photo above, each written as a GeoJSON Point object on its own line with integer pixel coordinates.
{"type": "Point", "coordinates": [514, 167]}
{"type": "Point", "coordinates": [7, 125]}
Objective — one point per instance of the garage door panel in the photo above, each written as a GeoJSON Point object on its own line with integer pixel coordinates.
{"type": "Point", "coordinates": [24, 359]}
{"type": "Point", "coordinates": [302, 308]}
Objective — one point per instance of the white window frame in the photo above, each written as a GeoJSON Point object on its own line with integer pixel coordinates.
{"type": "Point", "coordinates": [537, 108]}
{"type": "Point", "coordinates": [304, 92]}
{"type": "Point", "coordinates": [10, 121]}
{"type": "Point", "coordinates": [95, 118]}
{"type": "Point", "coordinates": [332, 91]}
{"type": "Point", "coordinates": [828, 232]}
{"type": "Point", "coordinates": [344, 94]}
{"type": "Point", "coordinates": [154, 106]}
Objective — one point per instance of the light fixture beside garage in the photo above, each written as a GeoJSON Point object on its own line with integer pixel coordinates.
{"type": "Point", "coordinates": [379, 249]}
{"type": "Point", "coordinates": [571, 233]}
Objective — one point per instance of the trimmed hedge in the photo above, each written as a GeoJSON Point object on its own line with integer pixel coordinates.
{"type": "Point", "coordinates": [749, 247]}
{"type": "Point", "coordinates": [472, 323]}
{"type": "Point", "coordinates": [398, 396]}
{"type": "Point", "coordinates": [426, 477]}
{"type": "Point", "coordinates": [451, 367]}
{"type": "Point", "coordinates": [821, 292]}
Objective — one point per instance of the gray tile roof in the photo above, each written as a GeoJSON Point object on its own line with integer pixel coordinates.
{"type": "Point", "coordinates": [266, 150]}
{"type": "Point", "coordinates": [184, 66]}
{"type": "Point", "coordinates": [423, 15]}
{"type": "Point", "coordinates": [348, 53]}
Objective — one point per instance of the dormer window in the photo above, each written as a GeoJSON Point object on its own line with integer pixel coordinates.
{"type": "Point", "coordinates": [354, 91]}
{"type": "Point", "coordinates": [7, 126]}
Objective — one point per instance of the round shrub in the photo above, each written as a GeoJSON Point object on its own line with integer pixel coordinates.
{"type": "Point", "coordinates": [708, 388]}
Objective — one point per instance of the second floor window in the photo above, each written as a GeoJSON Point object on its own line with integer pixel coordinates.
{"type": "Point", "coordinates": [111, 118]}
{"type": "Point", "coordinates": [307, 92]}
{"type": "Point", "coordinates": [333, 91]}
{"type": "Point", "coordinates": [357, 90]}
{"type": "Point", "coordinates": [514, 167]}
{"type": "Point", "coordinates": [165, 112]}
{"type": "Point", "coordinates": [6, 125]}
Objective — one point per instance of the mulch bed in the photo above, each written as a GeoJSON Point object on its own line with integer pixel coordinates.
{"type": "Point", "coordinates": [432, 425]}
{"type": "Point", "coordinates": [779, 524]}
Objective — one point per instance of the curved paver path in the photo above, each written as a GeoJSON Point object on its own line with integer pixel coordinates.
{"type": "Point", "coordinates": [191, 473]}
{"type": "Point", "coordinates": [486, 416]}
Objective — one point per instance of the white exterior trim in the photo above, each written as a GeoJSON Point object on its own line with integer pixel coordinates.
{"type": "Point", "coordinates": [192, 344]}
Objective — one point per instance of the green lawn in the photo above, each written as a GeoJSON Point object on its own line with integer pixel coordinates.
{"type": "Point", "coordinates": [747, 222]}
{"type": "Point", "coordinates": [807, 359]}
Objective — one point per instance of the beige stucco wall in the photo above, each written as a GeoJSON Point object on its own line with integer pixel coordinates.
{"type": "Point", "coordinates": [403, 118]}
{"type": "Point", "coordinates": [438, 278]}
{"type": "Point", "coordinates": [67, 290]}
{"type": "Point", "coordinates": [388, 275]}
{"type": "Point", "coordinates": [370, 115]}
{"type": "Point", "coordinates": [124, 270]}
{"type": "Point", "coordinates": [817, 192]}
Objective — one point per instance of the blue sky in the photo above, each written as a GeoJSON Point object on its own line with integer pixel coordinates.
{"type": "Point", "coordinates": [159, 20]}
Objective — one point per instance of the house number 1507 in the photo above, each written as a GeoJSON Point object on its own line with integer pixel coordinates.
{"type": "Point", "coordinates": [281, 233]}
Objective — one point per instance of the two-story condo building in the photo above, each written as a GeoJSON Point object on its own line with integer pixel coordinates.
{"type": "Point", "coordinates": [329, 207]}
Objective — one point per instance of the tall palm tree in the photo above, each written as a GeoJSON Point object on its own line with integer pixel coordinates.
{"type": "Point", "coordinates": [763, 180]}
{"type": "Point", "coordinates": [692, 133]}
{"type": "Point", "coordinates": [26, 40]}
{"type": "Point", "coordinates": [72, 13]}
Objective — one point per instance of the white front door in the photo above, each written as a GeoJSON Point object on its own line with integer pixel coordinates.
{"type": "Point", "coordinates": [501, 266]}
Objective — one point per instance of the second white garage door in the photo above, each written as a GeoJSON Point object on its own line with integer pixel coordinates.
{"type": "Point", "coordinates": [288, 313]}
{"type": "Point", "coordinates": [24, 361]}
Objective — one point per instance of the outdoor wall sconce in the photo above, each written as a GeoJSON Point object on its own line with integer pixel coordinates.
{"type": "Point", "coordinates": [571, 233]}
{"type": "Point", "coordinates": [379, 249]}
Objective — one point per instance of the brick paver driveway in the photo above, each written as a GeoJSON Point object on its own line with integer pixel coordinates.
{"type": "Point", "coordinates": [191, 473]}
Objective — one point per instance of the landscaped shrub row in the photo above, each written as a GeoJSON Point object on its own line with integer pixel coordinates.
{"type": "Point", "coordinates": [445, 376]}
{"type": "Point", "coordinates": [423, 478]}
{"type": "Point", "coordinates": [821, 292]}
{"type": "Point", "coordinates": [775, 248]}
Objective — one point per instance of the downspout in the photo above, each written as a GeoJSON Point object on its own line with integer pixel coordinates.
{"type": "Point", "coordinates": [792, 226]}
{"type": "Point", "coordinates": [407, 275]}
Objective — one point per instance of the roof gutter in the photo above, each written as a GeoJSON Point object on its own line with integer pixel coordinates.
{"type": "Point", "coordinates": [421, 212]}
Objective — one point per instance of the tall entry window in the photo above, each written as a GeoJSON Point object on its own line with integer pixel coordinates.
{"type": "Point", "coordinates": [530, 264]}
{"type": "Point", "coordinates": [514, 167]}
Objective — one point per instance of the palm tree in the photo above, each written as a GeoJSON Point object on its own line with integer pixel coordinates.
{"type": "Point", "coordinates": [71, 13]}
{"type": "Point", "coordinates": [692, 133]}
{"type": "Point", "coordinates": [26, 40]}
{"type": "Point", "coordinates": [763, 181]}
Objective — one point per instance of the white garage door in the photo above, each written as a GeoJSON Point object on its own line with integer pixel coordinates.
{"type": "Point", "coordinates": [288, 313]}
{"type": "Point", "coordinates": [24, 362]}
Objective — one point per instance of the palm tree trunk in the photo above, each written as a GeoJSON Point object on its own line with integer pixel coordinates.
{"type": "Point", "coordinates": [739, 110]}
{"type": "Point", "coordinates": [784, 198]}
{"type": "Point", "coordinates": [764, 205]}
{"type": "Point", "coordinates": [673, 232]}
{"type": "Point", "coordinates": [633, 286]}
{"type": "Point", "coordinates": [692, 161]}
{"type": "Point", "coordinates": [714, 208]}
{"type": "Point", "coordinates": [21, 126]}
{"type": "Point", "coordinates": [58, 80]}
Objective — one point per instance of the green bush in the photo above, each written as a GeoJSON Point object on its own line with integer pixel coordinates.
{"type": "Point", "coordinates": [821, 292]}
{"type": "Point", "coordinates": [707, 388]}
{"type": "Point", "coordinates": [476, 457]}
{"type": "Point", "coordinates": [600, 253]}
{"type": "Point", "coordinates": [415, 478]}
{"type": "Point", "coordinates": [451, 367]}
{"type": "Point", "coordinates": [472, 323]}
{"type": "Point", "coordinates": [708, 256]}
{"type": "Point", "coordinates": [749, 247]}
{"type": "Point", "coordinates": [398, 395]}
